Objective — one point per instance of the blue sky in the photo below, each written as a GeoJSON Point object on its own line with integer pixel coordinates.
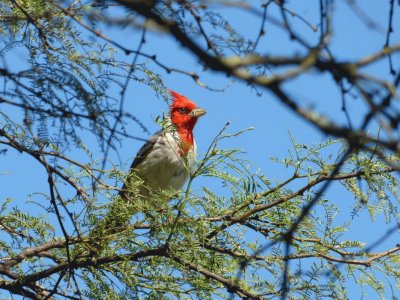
{"type": "Point", "coordinates": [240, 105]}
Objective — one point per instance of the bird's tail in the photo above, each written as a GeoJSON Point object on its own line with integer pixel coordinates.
{"type": "Point", "coordinates": [134, 198]}
{"type": "Point", "coordinates": [127, 203]}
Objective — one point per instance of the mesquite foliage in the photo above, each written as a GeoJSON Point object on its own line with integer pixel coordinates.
{"type": "Point", "coordinates": [235, 231]}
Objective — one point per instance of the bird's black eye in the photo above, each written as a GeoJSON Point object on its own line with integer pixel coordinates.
{"type": "Point", "coordinates": [182, 110]}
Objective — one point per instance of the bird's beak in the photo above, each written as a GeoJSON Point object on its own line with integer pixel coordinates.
{"type": "Point", "coordinates": [198, 112]}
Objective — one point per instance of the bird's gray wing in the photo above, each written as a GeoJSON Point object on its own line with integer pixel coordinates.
{"type": "Point", "coordinates": [146, 148]}
{"type": "Point", "coordinates": [140, 156]}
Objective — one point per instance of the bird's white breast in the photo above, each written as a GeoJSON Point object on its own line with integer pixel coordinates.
{"type": "Point", "coordinates": [166, 166]}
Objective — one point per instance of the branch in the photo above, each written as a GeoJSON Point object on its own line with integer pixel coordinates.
{"type": "Point", "coordinates": [36, 251]}
{"type": "Point", "coordinates": [85, 263]}
{"type": "Point", "coordinates": [36, 155]}
{"type": "Point", "coordinates": [229, 284]}
{"type": "Point", "coordinates": [258, 208]}
{"type": "Point", "coordinates": [355, 138]}
{"type": "Point", "coordinates": [366, 263]}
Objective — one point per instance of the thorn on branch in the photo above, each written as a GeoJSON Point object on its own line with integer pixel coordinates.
{"type": "Point", "coordinates": [195, 77]}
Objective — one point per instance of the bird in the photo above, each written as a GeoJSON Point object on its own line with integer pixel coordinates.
{"type": "Point", "coordinates": [163, 164]}
{"type": "Point", "coordinates": [165, 161]}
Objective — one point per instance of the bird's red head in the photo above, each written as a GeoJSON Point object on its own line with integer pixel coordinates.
{"type": "Point", "coordinates": [184, 114]}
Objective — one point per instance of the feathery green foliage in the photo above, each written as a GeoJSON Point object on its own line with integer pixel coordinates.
{"type": "Point", "coordinates": [248, 234]}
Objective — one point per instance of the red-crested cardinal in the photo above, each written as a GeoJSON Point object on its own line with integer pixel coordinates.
{"type": "Point", "coordinates": [163, 163]}
{"type": "Point", "coordinates": [165, 160]}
